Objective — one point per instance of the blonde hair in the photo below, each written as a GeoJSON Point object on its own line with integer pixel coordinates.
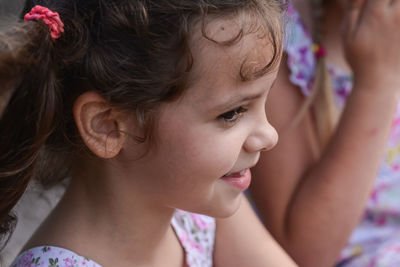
{"type": "Point", "coordinates": [321, 99]}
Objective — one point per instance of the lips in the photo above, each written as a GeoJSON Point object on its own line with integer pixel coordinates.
{"type": "Point", "coordinates": [240, 180]}
{"type": "Point", "coordinates": [235, 174]}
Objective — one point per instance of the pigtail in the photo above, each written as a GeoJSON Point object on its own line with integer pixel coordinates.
{"type": "Point", "coordinates": [323, 103]}
{"type": "Point", "coordinates": [28, 69]}
{"type": "Point", "coordinates": [325, 111]}
{"type": "Point", "coordinates": [321, 99]}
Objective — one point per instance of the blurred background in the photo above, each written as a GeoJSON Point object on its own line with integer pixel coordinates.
{"type": "Point", "coordinates": [10, 7]}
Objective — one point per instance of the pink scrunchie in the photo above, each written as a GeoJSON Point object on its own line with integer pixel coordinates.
{"type": "Point", "coordinates": [49, 17]}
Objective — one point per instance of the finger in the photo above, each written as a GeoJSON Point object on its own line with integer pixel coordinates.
{"type": "Point", "coordinates": [395, 11]}
{"type": "Point", "coordinates": [395, 4]}
{"type": "Point", "coordinates": [376, 4]}
{"type": "Point", "coordinates": [363, 9]}
{"type": "Point", "coordinates": [352, 16]}
{"type": "Point", "coordinates": [354, 4]}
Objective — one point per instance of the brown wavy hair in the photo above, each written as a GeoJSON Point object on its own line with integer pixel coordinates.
{"type": "Point", "coordinates": [134, 53]}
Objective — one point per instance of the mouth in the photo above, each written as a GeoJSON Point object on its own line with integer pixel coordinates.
{"type": "Point", "coordinates": [239, 180]}
{"type": "Point", "coordinates": [235, 174]}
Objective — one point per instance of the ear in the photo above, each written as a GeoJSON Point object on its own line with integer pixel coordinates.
{"type": "Point", "coordinates": [101, 127]}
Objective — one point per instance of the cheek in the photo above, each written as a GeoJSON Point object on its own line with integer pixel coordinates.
{"type": "Point", "coordinates": [189, 148]}
{"type": "Point", "coordinates": [203, 151]}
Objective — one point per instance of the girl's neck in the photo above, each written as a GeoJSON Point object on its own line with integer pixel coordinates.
{"type": "Point", "coordinates": [112, 226]}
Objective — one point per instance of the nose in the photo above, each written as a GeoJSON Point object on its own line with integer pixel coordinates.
{"type": "Point", "coordinates": [263, 137]}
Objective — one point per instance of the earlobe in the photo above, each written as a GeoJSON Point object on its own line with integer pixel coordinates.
{"type": "Point", "coordinates": [101, 127]}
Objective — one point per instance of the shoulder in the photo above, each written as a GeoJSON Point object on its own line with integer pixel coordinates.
{"type": "Point", "coordinates": [48, 256]}
{"type": "Point", "coordinates": [296, 31]}
{"type": "Point", "coordinates": [196, 233]}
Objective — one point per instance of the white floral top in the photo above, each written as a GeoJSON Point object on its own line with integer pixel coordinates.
{"type": "Point", "coordinates": [195, 232]}
{"type": "Point", "coordinates": [376, 240]}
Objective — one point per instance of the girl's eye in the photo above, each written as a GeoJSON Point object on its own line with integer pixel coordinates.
{"type": "Point", "coordinates": [233, 115]}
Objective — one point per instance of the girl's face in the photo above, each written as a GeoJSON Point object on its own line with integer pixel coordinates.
{"type": "Point", "coordinates": [209, 139]}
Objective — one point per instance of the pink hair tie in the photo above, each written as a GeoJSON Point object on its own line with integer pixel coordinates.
{"type": "Point", "coordinates": [52, 19]}
{"type": "Point", "coordinates": [319, 51]}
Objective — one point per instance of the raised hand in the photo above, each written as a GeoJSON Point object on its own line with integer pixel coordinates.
{"type": "Point", "coordinates": [372, 38]}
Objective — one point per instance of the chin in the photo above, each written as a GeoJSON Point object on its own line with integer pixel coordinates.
{"type": "Point", "coordinates": [224, 209]}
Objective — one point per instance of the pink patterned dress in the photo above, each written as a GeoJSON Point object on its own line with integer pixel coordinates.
{"type": "Point", "coordinates": [195, 232]}
{"type": "Point", "coordinates": [376, 240]}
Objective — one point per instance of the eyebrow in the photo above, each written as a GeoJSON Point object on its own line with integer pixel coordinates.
{"type": "Point", "coordinates": [236, 101]}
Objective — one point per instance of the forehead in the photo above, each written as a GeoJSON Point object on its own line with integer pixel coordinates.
{"type": "Point", "coordinates": [220, 65]}
{"type": "Point", "coordinates": [241, 41]}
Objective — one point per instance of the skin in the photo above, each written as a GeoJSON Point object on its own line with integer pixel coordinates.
{"type": "Point", "coordinates": [120, 201]}
{"type": "Point", "coordinates": [312, 202]}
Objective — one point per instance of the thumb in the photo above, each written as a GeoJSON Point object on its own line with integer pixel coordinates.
{"type": "Point", "coordinates": [352, 17]}
{"type": "Point", "coordinates": [350, 4]}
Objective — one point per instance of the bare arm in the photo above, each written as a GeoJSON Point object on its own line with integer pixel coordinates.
{"type": "Point", "coordinates": [311, 205]}
{"type": "Point", "coordinates": [241, 240]}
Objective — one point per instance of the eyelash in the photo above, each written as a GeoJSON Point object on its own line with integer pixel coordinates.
{"type": "Point", "coordinates": [233, 115]}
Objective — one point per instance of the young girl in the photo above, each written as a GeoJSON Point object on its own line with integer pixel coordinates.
{"type": "Point", "coordinates": [312, 189]}
{"type": "Point", "coordinates": [148, 107]}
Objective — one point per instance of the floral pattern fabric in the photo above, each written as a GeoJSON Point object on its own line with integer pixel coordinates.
{"type": "Point", "coordinates": [48, 256]}
{"type": "Point", "coordinates": [195, 232]}
{"type": "Point", "coordinates": [376, 240]}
